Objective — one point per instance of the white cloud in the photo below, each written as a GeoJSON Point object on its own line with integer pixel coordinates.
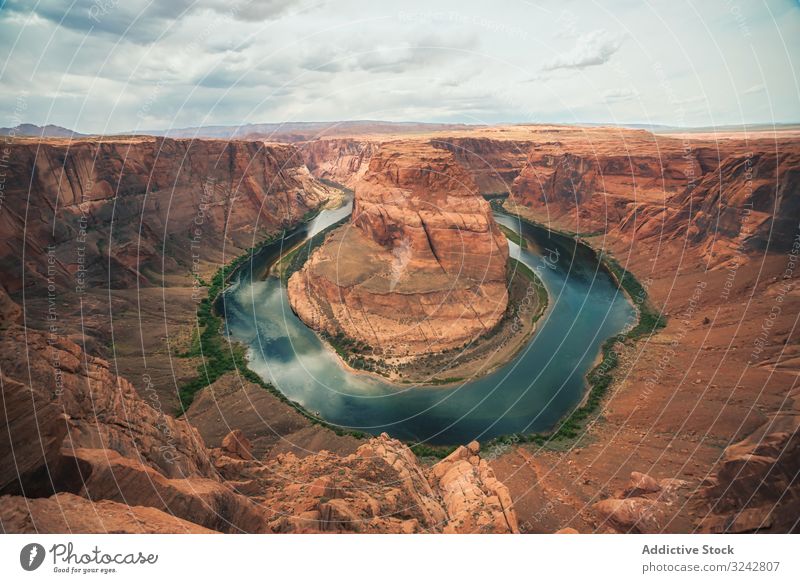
{"type": "Point", "coordinates": [590, 50]}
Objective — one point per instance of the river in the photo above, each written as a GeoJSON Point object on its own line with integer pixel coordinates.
{"type": "Point", "coordinates": [543, 382]}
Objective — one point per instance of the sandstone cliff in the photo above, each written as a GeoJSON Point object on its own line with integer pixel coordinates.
{"type": "Point", "coordinates": [493, 163]}
{"type": "Point", "coordinates": [719, 195]}
{"type": "Point", "coordinates": [342, 160]}
{"type": "Point", "coordinates": [755, 486]}
{"type": "Point", "coordinates": [422, 266]}
{"type": "Point", "coordinates": [132, 210]}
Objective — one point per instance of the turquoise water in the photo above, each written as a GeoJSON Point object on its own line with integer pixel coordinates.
{"type": "Point", "coordinates": [530, 393]}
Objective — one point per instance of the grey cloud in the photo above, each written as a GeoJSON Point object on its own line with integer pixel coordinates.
{"type": "Point", "coordinates": [142, 21]}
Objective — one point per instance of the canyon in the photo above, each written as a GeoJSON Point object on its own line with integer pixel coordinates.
{"type": "Point", "coordinates": [708, 225]}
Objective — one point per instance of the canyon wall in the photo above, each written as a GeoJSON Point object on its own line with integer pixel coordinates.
{"type": "Point", "coordinates": [131, 210]}
{"type": "Point", "coordinates": [342, 160]}
{"type": "Point", "coordinates": [422, 266]}
{"type": "Point", "coordinates": [726, 194]}
{"type": "Point", "coordinates": [493, 163]}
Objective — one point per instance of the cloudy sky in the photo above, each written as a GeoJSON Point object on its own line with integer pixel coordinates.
{"type": "Point", "coordinates": [115, 65]}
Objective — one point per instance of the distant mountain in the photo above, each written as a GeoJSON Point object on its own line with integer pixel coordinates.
{"type": "Point", "coordinates": [32, 130]}
{"type": "Point", "coordinates": [300, 131]}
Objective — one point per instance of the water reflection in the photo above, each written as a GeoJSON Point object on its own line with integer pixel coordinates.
{"type": "Point", "coordinates": [543, 382]}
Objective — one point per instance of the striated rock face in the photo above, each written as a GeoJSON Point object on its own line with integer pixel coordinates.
{"type": "Point", "coordinates": [134, 206]}
{"type": "Point", "coordinates": [106, 475]}
{"type": "Point", "coordinates": [494, 164]}
{"type": "Point", "coordinates": [728, 193]}
{"type": "Point", "coordinates": [752, 200]}
{"type": "Point", "coordinates": [102, 409]}
{"type": "Point", "coordinates": [342, 160]}
{"type": "Point", "coordinates": [422, 267]}
{"type": "Point", "coordinates": [34, 428]}
{"type": "Point", "coordinates": [595, 179]}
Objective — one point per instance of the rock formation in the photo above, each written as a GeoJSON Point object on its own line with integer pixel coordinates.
{"type": "Point", "coordinates": [422, 267]}
{"type": "Point", "coordinates": [382, 488]}
{"type": "Point", "coordinates": [66, 513]}
{"type": "Point", "coordinates": [493, 163]}
{"type": "Point", "coordinates": [643, 507]}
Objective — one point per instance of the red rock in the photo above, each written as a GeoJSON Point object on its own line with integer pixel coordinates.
{"type": "Point", "coordinates": [631, 514]}
{"type": "Point", "coordinates": [67, 513]}
{"type": "Point", "coordinates": [105, 475]}
{"type": "Point", "coordinates": [30, 442]}
{"type": "Point", "coordinates": [224, 195]}
{"type": "Point", "coordinates": [642, 483]}
{"type": "Point", "coordinates": [237, 445]}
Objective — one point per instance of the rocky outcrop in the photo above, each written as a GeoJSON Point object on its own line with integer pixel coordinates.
{"type": "Point", "coordinates": [33, 431]}
{"type": "Point", "coordinates": [422, 267]}
{"type": "Point", "coordinates": [475, 500]}
{"type": "Point", "coordinates": [383, 488]}
{"type": "Point", "coordinates": [237, 445]}
{"type": "Point", "coordinates": [93, 436]}
{"type": "Point", "coordinates": [105, 475]}
{"type": "Point", "coordinates": [102, 409]}
{"type": "Point", "coordinates": [755, 487]}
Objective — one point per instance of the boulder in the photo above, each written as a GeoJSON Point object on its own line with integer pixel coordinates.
{"type": "Point", "coordinates": [237, 445]}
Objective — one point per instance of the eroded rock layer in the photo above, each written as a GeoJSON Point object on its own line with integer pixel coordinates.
{"type": "Point", "coordinates": [95, 457]}
{"type": "Point", "coordinates": [140, 208]}
{"type": "Point", "coordinates": [422, 266]}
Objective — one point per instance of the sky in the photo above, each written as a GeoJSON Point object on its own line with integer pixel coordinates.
{"type": "Point", "coordinates": [104, 66]}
